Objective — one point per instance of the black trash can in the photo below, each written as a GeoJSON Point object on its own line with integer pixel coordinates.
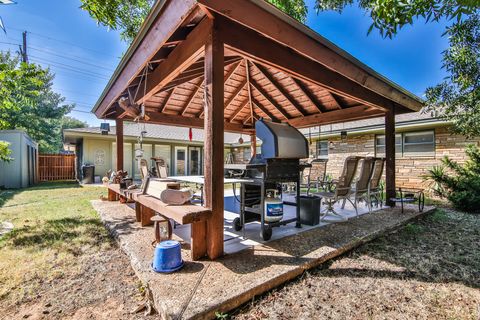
{"type": "Point", "coordinates": [309, 210]}
{"type": "Point", "coordinates": [88, 174]}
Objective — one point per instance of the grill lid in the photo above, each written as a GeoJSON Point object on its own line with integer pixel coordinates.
{"type": "Point", "coordinates": [281, 140]}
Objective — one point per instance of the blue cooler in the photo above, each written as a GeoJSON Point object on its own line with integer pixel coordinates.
{"type": "Point", "coordinates": [167, 257]}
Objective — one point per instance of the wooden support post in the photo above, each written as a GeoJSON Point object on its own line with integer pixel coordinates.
{"type": "Point", "coordinates": [119, 133]}
{"type": "Point", "coordinates": [214, 144]}
{"type": "Point", "coordinates": [390, 156]}
{"type": "Point", "coordinates": [138, 212]}
{"type": "Point", "coordinates": [253, 144]}
{"type": "Point", "coordinates": [147, 213]}
{"type": "Point", "coordinates": [198, 243]}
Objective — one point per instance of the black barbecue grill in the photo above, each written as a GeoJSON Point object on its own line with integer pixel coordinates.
{"type": "Point", "coordinates": [279, 162]}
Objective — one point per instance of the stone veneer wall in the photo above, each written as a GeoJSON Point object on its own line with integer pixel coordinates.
{"type": "Point", "coordinates": [409, 169]}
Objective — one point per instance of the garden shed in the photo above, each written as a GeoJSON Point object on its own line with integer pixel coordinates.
{"type": "Point", "coordinates": [21, 172]}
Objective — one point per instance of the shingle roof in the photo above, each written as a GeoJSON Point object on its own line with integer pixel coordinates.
{"type": "Point", "coordinates": [163, 132]}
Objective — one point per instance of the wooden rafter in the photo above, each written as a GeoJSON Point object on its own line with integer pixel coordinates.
{"type": "Point", "coordinates": [235, 93]}
{"type": "Point", "coordinates": [335, 100]}
{"type": "Point", "coordinates": [247, 74]}
{"type": "Point", "coordinates": [194, 72]}
{"type": "Point", "coordinates": [231, 72]}
{"type": "Point", "coordinates": [184, 55]}
{"type": "Point", "coordinates": [267, 51]}
{"type": "Point", "coordinates": [335, 116]}
{"type": "Point", "coordinates": [259, 88]}
{"type": "Point", "coordinates": [263, 109]}
{"type": "Point", "coordinates": [166, 101]}
{"type": "Point", "coordinates": [192, 96]}
{"type": "Point", "coordinates": [239, 109]}
{"type": "Point", "coordinates": [280, 88]}
{"type": "Point", "coordinates": [313, 99]}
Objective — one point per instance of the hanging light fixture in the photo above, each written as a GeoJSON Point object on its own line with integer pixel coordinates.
{"type": "Point", "coordinates": [240, 140]}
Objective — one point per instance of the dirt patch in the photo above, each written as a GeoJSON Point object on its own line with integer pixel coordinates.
{"type": "Point", "coordinates": [101, 285]}
{"type": "Point", "coordinates": [427, 270]}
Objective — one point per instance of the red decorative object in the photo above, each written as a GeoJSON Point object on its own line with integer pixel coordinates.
{"type": "Point", "coordinates": [190, 134]}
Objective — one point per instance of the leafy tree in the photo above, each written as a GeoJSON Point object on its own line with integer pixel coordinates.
{"type": "Point", "coordinates": [28, 102]}
{"type": "Point", "coordinates": [458, 97]}
{"type": "Point", "coordinates": [124, 15]}
{"type": "Point", "coordinates": [5, 152]}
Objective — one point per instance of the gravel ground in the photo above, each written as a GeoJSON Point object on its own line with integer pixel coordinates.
{"type": "Point", "coordinates": [427, 270]}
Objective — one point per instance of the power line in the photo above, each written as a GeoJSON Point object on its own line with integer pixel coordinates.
{"type": "Point", "coordinates": [73, 58]}
{"type": "Point", "coordinates": [65, 42]}
{"type": "Point", "coordinates": [71, 68]}
{"type": "Point", "coordinates": [78, 92]}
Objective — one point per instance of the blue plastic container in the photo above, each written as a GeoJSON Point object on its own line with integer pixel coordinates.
{"type": "Point", "coordinates": [167, 257]}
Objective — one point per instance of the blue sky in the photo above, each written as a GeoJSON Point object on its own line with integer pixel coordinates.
{"type": "Point", "coordinates": [58, 28]}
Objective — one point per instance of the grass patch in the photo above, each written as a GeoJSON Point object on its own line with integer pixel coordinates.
{"type": "Point", "coordinates": [54, 224]}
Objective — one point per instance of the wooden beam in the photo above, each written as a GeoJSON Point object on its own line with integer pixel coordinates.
{"type": "Point", "coordinates": [269, 52]}
{"type": "Point", "coordinates": [281, 89]}
{"type": "Point", "coordinates": [239, 109]}
{"type": "Point", "coordinates": [231, 72]}
{"type": "Point", "coordinates": [264, 110]}
{"type": "Point", "coordinates": [192, 96]}
{"type": "Point", "coordinates": [119, 140]}
{"type": "Point", "coordinates": [390, 157]}
{"type": "Point", "coordinates": [235, 93]}
{"type": "Point", "coordinates": [267, 96]}
{"type": "Point", "coordinates": [247, 74]}
{"type": "Point", "coordinates": [353, 113]}
{"type": "Point", "coordinates": [337, 104]}
{"type": "Point", "coordinates": [311, 97]}
{"type": "Point", "coordinates": [160, 30]}
{"type": "Point", "coordinates": [193, 72]}
{"type": "Point", "coordinates": [166, 101]}
{"type": "Point", "coordinates": [214, 142]}
{"type": "Point", "coordinates": [180, 59]}
{"type": "Point", "coordinates": [275, 25]}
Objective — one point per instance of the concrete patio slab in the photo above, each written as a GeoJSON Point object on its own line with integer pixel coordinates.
{"type": "Point", "coordinates": [202, 288]}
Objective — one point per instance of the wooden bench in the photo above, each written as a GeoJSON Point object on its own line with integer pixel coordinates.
{"type": "Point", "coordinates": [147, 204]}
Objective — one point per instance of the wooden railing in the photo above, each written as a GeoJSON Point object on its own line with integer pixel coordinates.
{"type": "Point", "coordinates": [52, 167]}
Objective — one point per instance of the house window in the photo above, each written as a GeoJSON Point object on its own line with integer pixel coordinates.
{"type": "Point", "coordinates": [380, 145]}
{"type": "Point", "coordinates": [419, 143]}
{"type": "Point", "coordinates": [322, 149]}
{"type": "Point", "coordinates": [409, 144]}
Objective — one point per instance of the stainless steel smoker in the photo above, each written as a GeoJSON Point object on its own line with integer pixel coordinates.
{"type": "Point", "coordinates": [279, 162]}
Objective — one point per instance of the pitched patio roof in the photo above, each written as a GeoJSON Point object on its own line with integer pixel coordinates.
{"type": "Point", "coordinates": [274, 67]}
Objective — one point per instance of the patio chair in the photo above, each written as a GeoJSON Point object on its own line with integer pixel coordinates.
{"type": "Point", "coordinates": [374, 187]}
{"type": "Point", "coordinates": [343, 187]}
{"type": "Point", "coordinates": [161, 167]}
{"type": "Point", "coordinates": [317, 175]}
{"type": "Point", "coordinates": [360, 190]}
{"type": "Point", "coordinates": [143, 167]}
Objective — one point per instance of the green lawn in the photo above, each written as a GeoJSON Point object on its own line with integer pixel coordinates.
{"type": "Point", "coordinates": [54, 225]}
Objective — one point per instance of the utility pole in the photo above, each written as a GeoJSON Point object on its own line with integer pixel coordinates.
{"type": "Point", "coordinates": [23, 49]}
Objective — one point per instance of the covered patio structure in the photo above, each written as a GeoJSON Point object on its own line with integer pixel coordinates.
{"type": "Point", "coordinates": [222, 65]}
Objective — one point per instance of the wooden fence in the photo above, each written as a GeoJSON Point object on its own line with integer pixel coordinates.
{"type": "Point", "coordinates": [53, 167]}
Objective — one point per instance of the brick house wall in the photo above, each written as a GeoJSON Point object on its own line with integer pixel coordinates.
{"type": "Point", "coordinates": [409, 169]}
